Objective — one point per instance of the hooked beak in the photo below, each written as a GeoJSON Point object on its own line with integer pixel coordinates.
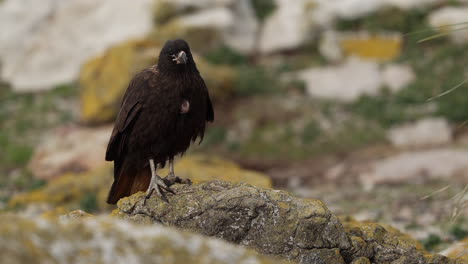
{"type": "Point", "coordinates": [180, 58]}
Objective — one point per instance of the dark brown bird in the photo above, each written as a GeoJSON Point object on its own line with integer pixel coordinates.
{"type": "Point", "coordinates": [164, 109]}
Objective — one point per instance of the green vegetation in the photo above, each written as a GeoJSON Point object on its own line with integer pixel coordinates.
{"type": "Point", "coordinates": [263, 8]}
{"type": "Point", "coordinates": [23, 120]}
{"type": "Point", "coordinates": [89, 203]}
{"type": "Point", "coordinates": [389, 19]}
{"type": "Point", "coordinates": [431, 242]}
{"type": "Point", "coordinates": [226, 55]}
{"type": "Point", "coordinates": [438, 64]}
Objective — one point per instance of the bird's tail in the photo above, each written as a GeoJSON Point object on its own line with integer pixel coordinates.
{"type": "Point", "coordinates": [128, 183]}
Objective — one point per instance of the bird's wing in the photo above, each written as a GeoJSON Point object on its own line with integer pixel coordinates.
{"type": "Point", "coordinates": [209, 108]}
{"type": "Point", "coordinates": [130, 108]}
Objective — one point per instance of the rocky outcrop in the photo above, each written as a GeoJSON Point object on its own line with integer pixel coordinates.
{"type": "Point", "coordinates": [108, 240]}
{"type": "Point", "coordinates": [275, 223]}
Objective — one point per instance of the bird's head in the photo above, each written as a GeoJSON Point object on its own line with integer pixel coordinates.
{"type": "Point", "coordinates": [176, 57]}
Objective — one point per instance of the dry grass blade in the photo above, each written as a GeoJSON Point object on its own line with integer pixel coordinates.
{"type": "Point", "coordinates": [432, 28]}
{"type": "Point", "coordinates": [442, 34]}
{"type": "Point", "coordinates": [436, 192]}
{"type": "Point", "coordinates": [448, 91]}
{"type": "Point", "coordinates": [460, 204]}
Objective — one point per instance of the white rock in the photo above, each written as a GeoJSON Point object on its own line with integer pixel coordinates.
{"type": "Point", "coordinates": [181, 4]}
{"type": "Point", "coordinates": [219, 18]}
{"type": "Point", "coordinates": [449, 16]}
{"type": "Point", "coordinates": [329, 45]}
{"type": "Point", "coordinates": [414, 167]}
{"type": "Point", "coordinates": [44, 43]}
{"type": "Point", "coordinates": [344, 82]}
{"type": "Point", "coordinates": [423, 133]}
{"type": "Point", "coordinates": [241, 35]}
{"type": "Point", "coordinates": [397, 77]}
{"type": "Point", "coordinates": [287, 27]}
{"type": "Point", "coordinates": [70, 148]}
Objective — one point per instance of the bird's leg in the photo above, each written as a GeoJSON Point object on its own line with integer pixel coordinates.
{"type": "Point", "coordinates": [157, 184]}
{"type": "Point", "coordinates": [171, 178]}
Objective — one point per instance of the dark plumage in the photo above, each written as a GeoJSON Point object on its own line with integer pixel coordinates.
{"type": "Point", "coordinates": [164, 109]}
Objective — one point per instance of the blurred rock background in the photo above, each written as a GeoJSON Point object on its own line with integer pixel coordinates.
{"type": "Point", "coordinates": [335, 100]}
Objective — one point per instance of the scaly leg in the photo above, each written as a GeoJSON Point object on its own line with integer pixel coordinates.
{"type": "Point", "coordinates": [157, 184]}
{"type": "Point", "coordinates": [171, 178]}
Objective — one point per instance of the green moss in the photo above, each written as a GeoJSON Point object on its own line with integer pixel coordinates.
{"type": "Point", "coordinates": [311, 132]}
{"type": "Point", "coordinates": [254, 80]}
{"type": "Point", "coordinates": [431, 242]}
{"type": "Point", "coordinates": [225, 55]}
{"type": "Point", "coordinates": [388, 19]}
{"type": "Point", "coordinates": [89, 202]}
{"type": "Point", "coordinates": [263, 8]}
{"type": "Point", "coordinates": [214, 135]}
{"type": "Point", "coordinates": [459, 232]}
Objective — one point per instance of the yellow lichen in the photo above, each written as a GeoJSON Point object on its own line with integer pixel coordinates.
{"type": "Point", "coordinates": [103, 80]}
{"type": "Point", "coordinates": [199, 168]}
{"type": "Point", "coordinates": [378, 47]}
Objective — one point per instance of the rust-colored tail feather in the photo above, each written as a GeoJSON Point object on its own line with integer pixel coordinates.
{"type": "Point", "coordinates": [129, 183]}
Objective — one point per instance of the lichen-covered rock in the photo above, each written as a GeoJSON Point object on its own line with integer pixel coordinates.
{"type": "Point", "coordinates": [104, 79]}
{"type": "Point", "coordinates": [269, 221]}
{"type": "Point", "coordinates": [110, 240]}
{"type": "Point", "coordinates": [88, 190]}
{"type": "Point", "coordinates": [275, 223]}
{"type": "Point", "coordinates": [378, 47]}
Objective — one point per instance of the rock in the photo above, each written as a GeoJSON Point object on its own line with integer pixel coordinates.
{"type": "Point", "coordinates": [273, 222]}
{"type": "Point", "coordinates": [329, 46]}
{"type": "Point", "coordinates": [75, 215]}
{"type": "Point", "coordinates": [105, 78]}
{"type": "Point", "coordinates": [241, 35]}
{"type": "Point", "coordinates": [362, 77]}
{"type": "Point", "coordinates": [397, 77]}
{"type": "Point", "coordinates": [451, 20]}
{"type": "Point", "coordinates": [70, 149]}
{"type": "Point", "coordinates": [288, 27]}
{"type": "Point", "coordinates": [89, 189]}
{"type": "Point", "coordinates": [109, 240]}
{"type": "Point", "coordinates": [361, 260]}
{"type": "Point", "coordinates": [205, 28]}
{"type": "Point", "coordinates": [417, 166]}
{"type": "Point", "coordinates": [201, 4]}
{"type": "Point", "coordinates": [458, 250]}
{"type": "Point", "coordinates": [41, 45]}
{"type": "Point", "coordinates": [423, 133]}
{"type": "Point", "coordinates": [380, 47]}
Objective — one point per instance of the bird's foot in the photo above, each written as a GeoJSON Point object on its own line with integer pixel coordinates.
{"type": "Point", "coordinates": [159, 186]}
{"type": "Point", "coordinates": [172, 179]}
